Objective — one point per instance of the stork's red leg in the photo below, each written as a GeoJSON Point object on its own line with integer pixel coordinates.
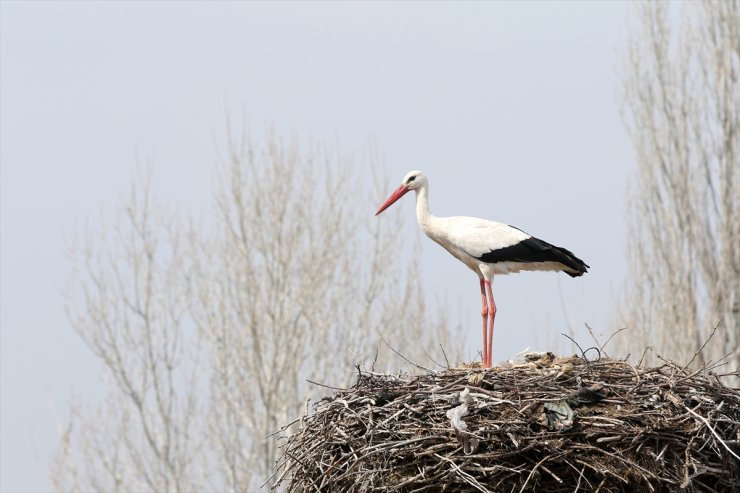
{"type": "Point", "coordinates": [484, 315]}
{"type": "Point", "coordinates": [491, 318]}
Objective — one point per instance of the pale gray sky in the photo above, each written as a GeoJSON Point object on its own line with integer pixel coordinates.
{"type": "Point", "coordinates": [511, 110]}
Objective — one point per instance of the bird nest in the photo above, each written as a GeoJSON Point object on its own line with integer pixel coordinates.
{"type": "Point", "coordinates": [546, 424]}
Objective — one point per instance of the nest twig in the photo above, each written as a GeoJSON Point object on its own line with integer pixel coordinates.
{"type": "Point", "coordinates": [547, 424]}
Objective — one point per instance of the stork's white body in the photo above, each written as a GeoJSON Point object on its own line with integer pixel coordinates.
{"type": "Point", "coordinates": [486, 247]}
{"type": "Point", "coordinates": [468, 238]}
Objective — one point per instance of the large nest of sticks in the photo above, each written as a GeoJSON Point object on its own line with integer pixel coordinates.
{"type": "Point", "coordinates": [545, 424]}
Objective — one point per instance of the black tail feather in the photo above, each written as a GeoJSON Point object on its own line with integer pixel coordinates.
{"type": "Point", "coordinates": [565, 257]}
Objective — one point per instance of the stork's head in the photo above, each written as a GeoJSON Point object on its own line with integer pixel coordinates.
{"type": "Point", "coordinates": [412, 180]}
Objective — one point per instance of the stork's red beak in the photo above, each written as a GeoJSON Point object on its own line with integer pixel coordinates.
{"type": "Point", "coordinates": [400, 191]}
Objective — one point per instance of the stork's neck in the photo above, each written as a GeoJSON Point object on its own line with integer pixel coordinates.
{"type": "Point", "coordinates": [423, 216]}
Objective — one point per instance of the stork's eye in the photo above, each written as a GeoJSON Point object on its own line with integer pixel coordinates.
{"type": "Point", "coordinates": [412, 179]}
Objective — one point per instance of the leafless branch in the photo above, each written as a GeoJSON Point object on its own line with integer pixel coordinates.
{"type": "Point", "coordinates": [212, 334]}
{"type": "Point", "coordinates": [681, 93]}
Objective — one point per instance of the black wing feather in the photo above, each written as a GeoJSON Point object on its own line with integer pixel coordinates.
{"type": "Point", "coordinates": [535, 250]}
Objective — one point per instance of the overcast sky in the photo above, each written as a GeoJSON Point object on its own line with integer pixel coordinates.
{"type": "Point", "coordinates": [511, 109]}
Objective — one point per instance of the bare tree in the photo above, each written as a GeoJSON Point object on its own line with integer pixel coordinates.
{"type": "Point", "coordinates": [682, 99]}
{"type": "Point", "coordinates": [297, 282]}
{"type": "Point", "coordinates": [128, 302]}
{"type": "Point", "coordinates": [208, 333]}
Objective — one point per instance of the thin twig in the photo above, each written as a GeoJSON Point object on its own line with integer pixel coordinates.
{"type": "Point", "coordinates": [445, 355]}
{"type": "Point", "coordinates": [611, 337]}
{"type": "Point", "coordinates": [324, 385]}
{"type": "Point", "coordinates": [702, 346]}
{"type": "Point", "coordinates": [583, 353]}
{"type": "Point", "coordinates": [401, 355]}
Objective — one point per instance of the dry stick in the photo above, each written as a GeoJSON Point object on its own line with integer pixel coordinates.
{"type": "Point", "coordinates": [644, 353]}
{"type": "Point", "coordinates": [445, 355]}
{"type": "Point", "coordinates": [611, 337]}
{"type": "Point", "coordinates": [470, 479]}
{"type": "Point", "coordinates": [277, 470]}
{"type": "Point", "coordinates": [583, 353]}
{"type": "Point", "coordinates": [401, 355]}
{"type": "Point", "coordinates": [324, 385]}
{"type": "Point", "coordinates": [284, 427]}
{"type": "Point", "coordinates": [375, 360]}
{"type": "Point", "coordinates": [531, 473]}
{"type": "Point", "coordinates": [433, 360]}
{"type": "Point", "coordinates": [720, 362]}
{"type": "Point", "coordinates": [600, 485]}
{"type": "Point", "coordinates": [702, 346]}
{"type": "Point", "coordinates": [580, 476]}
{"type": "Point", "coordinates": [544, 468]}
{"type": "Point", "coordinates": [596, 339]}
{"type": "Point", "coordinates": [716, 435]}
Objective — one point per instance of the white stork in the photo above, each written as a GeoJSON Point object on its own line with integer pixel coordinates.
{"type": "Point", "coordinates": [486, 247]}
